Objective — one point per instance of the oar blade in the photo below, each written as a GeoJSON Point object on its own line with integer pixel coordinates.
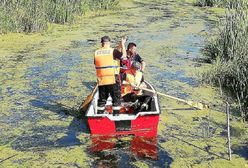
{"type": "Point", "coordinates": [197, 105]}
{"type": "Point", "coordinates": [85, 104]}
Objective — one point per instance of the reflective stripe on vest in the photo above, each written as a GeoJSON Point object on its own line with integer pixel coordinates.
{"type": "Point", "coordinates": [116, 107]}
{"type": "Point", "coordinates": [131, 79]}
{"type": "Point", "coordinates": [106, 66]}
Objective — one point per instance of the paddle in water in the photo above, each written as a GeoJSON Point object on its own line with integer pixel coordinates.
{"type": "Point", "coordinates": [84, 106]}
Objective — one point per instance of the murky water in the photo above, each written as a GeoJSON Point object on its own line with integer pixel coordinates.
{"type": "Point", "coordinates": [40, 93]}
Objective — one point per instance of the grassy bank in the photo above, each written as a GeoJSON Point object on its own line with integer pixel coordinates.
{"type": "Point", "coordinates": [228, 51]}
{"type": "Point", "coordinates": [33, 16]}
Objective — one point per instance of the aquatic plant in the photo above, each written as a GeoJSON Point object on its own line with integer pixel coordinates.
{"type": "Point", "coordinates": [221, 3]}
{"type": "Point", "coordinates": [33, 16]}
{"type": "Point", "coordinates": [228, 51]}
{"type": "Point", "coordinates": [205, 2]}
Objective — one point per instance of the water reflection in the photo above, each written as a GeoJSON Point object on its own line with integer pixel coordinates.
{"type": "Point", "coordinates": [144, 147]}
{"type": "Point", "coordinates": [120, 151]}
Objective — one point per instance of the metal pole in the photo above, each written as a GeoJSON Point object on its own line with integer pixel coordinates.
{"type": "Point", "coordinates": [228, 130]}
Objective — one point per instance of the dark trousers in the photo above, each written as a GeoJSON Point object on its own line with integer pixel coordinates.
{"type": "Point", "coordinates": [113, 90]}
{"type": "Point", "coordinates": [140, 100]}
{"type": "Point", "coordinates": [132, 97]}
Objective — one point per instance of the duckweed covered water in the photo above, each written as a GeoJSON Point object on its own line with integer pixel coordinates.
{"type": "Point", "coordinates": [45, 77]}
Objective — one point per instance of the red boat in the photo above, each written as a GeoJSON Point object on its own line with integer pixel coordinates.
{"type": "Point", "coordinates": [128, 122]}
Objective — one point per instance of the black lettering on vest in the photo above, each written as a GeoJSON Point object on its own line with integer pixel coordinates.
{"type": "Point", "coordinates": [103, 52]}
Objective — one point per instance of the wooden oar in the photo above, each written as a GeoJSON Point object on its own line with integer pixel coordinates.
{"type": "Point", "coordinates": [191, 103]}
{"type": "Point", "coordinates": [84, 106]}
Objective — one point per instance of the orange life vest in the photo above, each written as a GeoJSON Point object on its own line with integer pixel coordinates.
{"type": "Point", "coordinates": [131, 80]}
{"type": "Point", "coordinates": [106, 66]}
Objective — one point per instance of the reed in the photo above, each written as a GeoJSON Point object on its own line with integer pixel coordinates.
{"type": "Point", "coordinates": [205, 3]}
{"type": "Point", "coordinates": [233, 4]}
{"type": "Point", "coordinates": [229, 54]}
{"type": "Point", "coordinates": [33, 16]}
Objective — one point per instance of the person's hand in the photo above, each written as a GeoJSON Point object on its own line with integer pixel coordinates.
{"type": "Point", "coordinates": [124, 59]}
{"type": "Point", "coordinates": [118, 47]}
{"type": "Point", "coordinates": [124, 82]}
{"type": "Point", "coordinates": [123, 40]}
{"type": "Point", "coordinates": [135, 88]}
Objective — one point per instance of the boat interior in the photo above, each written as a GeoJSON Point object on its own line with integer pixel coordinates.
{"type": "Point", "coordinates": [129, 110]}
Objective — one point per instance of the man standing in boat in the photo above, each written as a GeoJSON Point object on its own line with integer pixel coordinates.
{"type": "Point", "coordinates": [107, 64]}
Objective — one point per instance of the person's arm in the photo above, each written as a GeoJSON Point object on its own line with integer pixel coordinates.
{"type": "Point", "coordinates": [118, 47]}
{"type": "Point", "coordinates": [142, 62]}
{"type": "Point", "coordinates": [121, 55]}
{"type": "Point", "coordinates": [123, 48]}
{"type": "Point", "coordinates": [143, 65]}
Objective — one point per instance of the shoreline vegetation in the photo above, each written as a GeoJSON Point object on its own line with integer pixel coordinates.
{"type": "Point", "coordinates": [33, 16]}
{"type": "Point", "coordinates": [228, 52]}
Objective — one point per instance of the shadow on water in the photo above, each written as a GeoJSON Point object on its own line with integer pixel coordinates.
{"type": "Point", "coordinates": [89, 85]}
{"type": "Point", "coordinates": [40, 137]}
{"type": "Point", "coordinates": [124, 151]}
{"type": "Point", "coordinates": [241, 150]}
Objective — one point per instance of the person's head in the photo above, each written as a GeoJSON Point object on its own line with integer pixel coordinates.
{"type": "Point", "coordinates": [135, 66]}
{"type": "Point", "coordinates": [131, 48]}
{"type": "Point", "coordinates": [105, 40]}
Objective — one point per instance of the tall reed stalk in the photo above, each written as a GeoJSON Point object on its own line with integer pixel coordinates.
{"type": "Point", "coordinates": [229, 53]}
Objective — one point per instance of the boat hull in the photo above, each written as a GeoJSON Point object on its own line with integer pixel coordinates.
{"type": "Point", "coordinates": [138, 123]}
{"type": "Point", "coordinates": [142, 126]}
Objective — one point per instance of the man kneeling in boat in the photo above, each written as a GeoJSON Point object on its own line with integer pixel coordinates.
{"type": "Point", "coordinates": [132, 81]}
